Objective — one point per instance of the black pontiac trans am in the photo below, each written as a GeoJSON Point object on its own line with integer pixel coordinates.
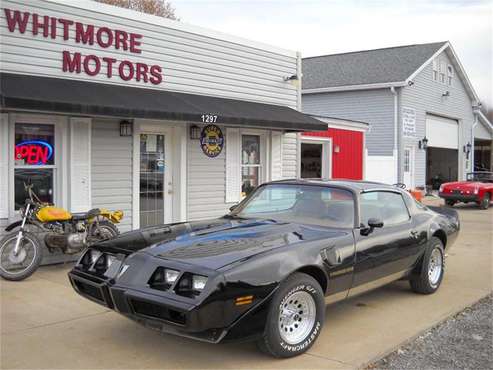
{"type": "Point", "coordinates": [266, 270]}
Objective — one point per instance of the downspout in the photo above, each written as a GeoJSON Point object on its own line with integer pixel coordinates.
{"type": "Point", "coordinates": [475, 110]}
{"type": "Point", "coordinates": [396, 132]}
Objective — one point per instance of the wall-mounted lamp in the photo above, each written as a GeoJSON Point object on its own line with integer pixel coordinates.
{"type": "Point", "coordinates": [423, 143]}
{"type": "Point", "coordinates": [337, 149]}
{"type": "Point", "coordinates": [126, 128]}
{"type": "Point", "coordinates": [446, 93]}
{"type": "Point", "coordinates": [467, 149]}
{"type": "Point", "coordinates": [293, 79]}
{"type": "Point", "coordinates": [195, 132]}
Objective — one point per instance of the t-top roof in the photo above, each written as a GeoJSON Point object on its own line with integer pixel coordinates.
{"type": "Point", "coordinates": [394, 64]}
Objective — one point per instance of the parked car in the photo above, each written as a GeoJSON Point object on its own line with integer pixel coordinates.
{"type": "Point", "coordinates": [477, 188]}
{"type": "Point", "coordinates": [266, 270]}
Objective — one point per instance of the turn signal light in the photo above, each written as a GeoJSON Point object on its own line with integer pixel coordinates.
{"type": "Point", "coordinates": [240, 301]}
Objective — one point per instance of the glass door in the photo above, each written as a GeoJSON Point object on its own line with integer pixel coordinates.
{"type": "Point", "coordinates": [152, 179]}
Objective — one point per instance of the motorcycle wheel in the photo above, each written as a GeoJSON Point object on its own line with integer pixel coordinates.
{"type": "Point", "coordinates": [107, 230]}
{"type": "Point", "coordinates": [27, 261]}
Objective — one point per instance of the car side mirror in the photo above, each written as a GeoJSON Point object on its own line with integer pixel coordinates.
{"type": "Point", "coordinates": [373, 223]}
{"type": "Point", "coordinates": [233, 207]}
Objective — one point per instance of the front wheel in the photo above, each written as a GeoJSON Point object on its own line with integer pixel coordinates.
{"type": "Point", "coordinates": [295, 318]}
{"type": "Point", "coordinates": [20, 265]}
{"type": "Point", "coordinates": [428, 277]}
{"type": "Point", "coordinates": [485, 203]}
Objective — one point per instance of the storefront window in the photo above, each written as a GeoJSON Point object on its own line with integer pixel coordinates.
{"type": "Point", "coordinates": [34, 159]}
{"type": "Point", "coordinates": [251, 168]}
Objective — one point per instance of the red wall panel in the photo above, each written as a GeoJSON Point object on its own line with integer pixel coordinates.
{"type": "Point", "coordinates": [348, 163]}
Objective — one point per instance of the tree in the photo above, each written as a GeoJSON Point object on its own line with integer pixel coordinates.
{"type": "Point", "coordinates": [161, 8]}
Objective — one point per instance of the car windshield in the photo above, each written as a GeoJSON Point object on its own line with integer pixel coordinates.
{"type": "Point", "coordinates": [307, 204]}
{"type": "Point", "coordinates": [480, 176]}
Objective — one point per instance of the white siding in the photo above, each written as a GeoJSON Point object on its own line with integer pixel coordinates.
{"type": "Point", "coordinates": [289, 156]}
{"type": "Point", "coordinates": [193, 60]}
{"type": "Point", "coordinates": [425, 95]}
{"type": "Point", "coordinates": [111, 170]}
{"type": "Point", "coordinates": [206, 183]}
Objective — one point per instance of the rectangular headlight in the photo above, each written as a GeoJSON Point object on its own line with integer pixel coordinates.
{"type": "Point", "coordinates": [198, 282]}
{"type": "Point", "coordinates": [170, 276]}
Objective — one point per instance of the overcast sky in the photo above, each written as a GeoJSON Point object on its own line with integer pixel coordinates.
{"type": "Point", "coordinates": [317, 27]}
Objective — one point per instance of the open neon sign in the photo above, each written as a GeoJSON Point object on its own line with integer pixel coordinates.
{"type": "Point", "coordinates": [34, 152]}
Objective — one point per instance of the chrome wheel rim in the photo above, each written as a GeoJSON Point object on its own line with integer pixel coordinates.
{"type": "Point", "coordinates": [297, 316]}
{"type": "Point", "coordinates": [13, 264]}
{"type": "Point", "coordinates": [435, 266]}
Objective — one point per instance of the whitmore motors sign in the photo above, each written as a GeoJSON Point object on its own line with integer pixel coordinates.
{"type": "Point", "coordinates": [87, 34]}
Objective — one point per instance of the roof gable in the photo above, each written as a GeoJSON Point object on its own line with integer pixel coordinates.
{"type": "Point", "coordinates": [380, 66]}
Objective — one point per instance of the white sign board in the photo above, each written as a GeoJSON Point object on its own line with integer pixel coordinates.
{"type": "Point", "coordinates": [408, 122]}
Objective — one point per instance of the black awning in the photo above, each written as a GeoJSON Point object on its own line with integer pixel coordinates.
{"type": "Point", "coordinates": [88, 98]}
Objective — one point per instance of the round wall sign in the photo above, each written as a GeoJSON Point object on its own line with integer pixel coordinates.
{"type": "Point", "coordinates": [211, 140]}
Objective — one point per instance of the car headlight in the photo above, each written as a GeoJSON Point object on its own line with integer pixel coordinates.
{"type": "Point", "coordinates": [94, 255]}
{"type": "Point", "coordinates": [170, 276]}
{"type": "Point", "coordinates": [198, 282]}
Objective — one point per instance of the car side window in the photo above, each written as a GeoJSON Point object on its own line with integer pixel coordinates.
{"type": "Point", "coordinates": [383, 205]}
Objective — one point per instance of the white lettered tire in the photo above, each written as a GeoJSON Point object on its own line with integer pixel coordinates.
{"type": "Point", "coordinates": [295, 318]}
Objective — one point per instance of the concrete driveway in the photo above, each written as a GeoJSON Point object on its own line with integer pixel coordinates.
{"type": "Point", "coordinates": [45, 324]}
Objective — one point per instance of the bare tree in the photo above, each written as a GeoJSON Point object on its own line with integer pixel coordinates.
{"type": "Point", "coordinates": [161, 8]}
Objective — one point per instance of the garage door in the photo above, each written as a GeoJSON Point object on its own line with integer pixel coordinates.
{"type": "Point", "coordinates": [442, 132]}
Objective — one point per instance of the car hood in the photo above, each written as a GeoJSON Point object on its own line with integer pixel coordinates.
{"type": "Point", "coordinates": [233, 240]}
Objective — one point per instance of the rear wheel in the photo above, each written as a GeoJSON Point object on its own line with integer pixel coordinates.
{"type": "Point", "coordinates": [19, 266]}
{"type": "Point", "coordinates": [450, 203]}
{"type": "Point", "coordinates": [106, 230]}
{"type": "Point", "coordinates": [429, 275]}
{"type": "Point", "coordinates": [295, 318]}
{"type": "Point", "coordinates": [485, 203]}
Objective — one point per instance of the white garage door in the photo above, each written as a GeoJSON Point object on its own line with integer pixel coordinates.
{"type": "Point", "coordinates": [442, 132]}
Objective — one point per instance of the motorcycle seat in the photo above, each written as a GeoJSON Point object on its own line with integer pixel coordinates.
{"type": "Point", "coordinates": [85, 215]}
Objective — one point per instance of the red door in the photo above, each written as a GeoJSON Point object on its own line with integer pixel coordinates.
{"type": "Point", "coordinates": [347, 152]}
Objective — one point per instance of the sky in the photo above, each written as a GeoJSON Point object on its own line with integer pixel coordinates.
{"type": "Point", "coordinates": [318, 27]}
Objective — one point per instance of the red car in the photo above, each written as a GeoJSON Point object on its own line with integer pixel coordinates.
{"type": "Point", "coordinates": [477, 188]}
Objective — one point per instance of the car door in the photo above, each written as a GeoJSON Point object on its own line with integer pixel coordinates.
{"type": "Point", "coordinates": [384, 252]}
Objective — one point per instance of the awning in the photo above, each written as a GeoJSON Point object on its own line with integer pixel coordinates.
{"type": "Point", "coordinates": [66, 96]}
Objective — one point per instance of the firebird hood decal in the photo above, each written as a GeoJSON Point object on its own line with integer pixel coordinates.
{"type": "Point", "coordinates": [235, 240]}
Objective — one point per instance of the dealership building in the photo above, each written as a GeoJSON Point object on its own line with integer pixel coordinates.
{"type": "Point", "coordinates": [105, 107]}
{"type": "Point", "coordinates": [425, 123]}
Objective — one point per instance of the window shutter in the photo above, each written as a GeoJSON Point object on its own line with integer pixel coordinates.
{"type": "Point", "coordinates": [4, 165]}
{"type": "Point", "coordinates": [80, 164]}
{"type": "Point", "coordinates": [276, 155]}
{"type": "Point", "coordinates": [233, 178]}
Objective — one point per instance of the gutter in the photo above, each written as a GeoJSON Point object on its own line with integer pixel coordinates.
{"type": "Point", "coordinates": [396, 131]}
{"type": "Point", "coordinates": [476, 111]}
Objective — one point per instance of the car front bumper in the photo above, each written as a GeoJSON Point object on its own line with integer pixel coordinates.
{"type": "Point", "coordinates": [459, 197]}
{"type": "Point", "coordinates": [211, 317]}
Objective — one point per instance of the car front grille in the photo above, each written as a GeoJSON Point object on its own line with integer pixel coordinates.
{"type": "Point", "coordinates": [147, 309]}
{"type": "Point", "coordinates": [90, 290]}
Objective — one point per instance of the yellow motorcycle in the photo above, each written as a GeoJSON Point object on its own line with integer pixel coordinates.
{"type": "Point", "coordinates": [21, 252]}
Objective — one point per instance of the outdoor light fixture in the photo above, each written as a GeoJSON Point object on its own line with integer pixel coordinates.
{"type": "Point", "coordinates": [467, 149]}
{"type": "Point", "coordinates": [423, 143]}
{"type": "Point", "coordinates": [291, 78]}
{"type": "Point", "coordinates": [446, 93]}
{"type": "Point", "coordinates": [195, 132]}
{"type": "Point", "coordinates": [126, 128]}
